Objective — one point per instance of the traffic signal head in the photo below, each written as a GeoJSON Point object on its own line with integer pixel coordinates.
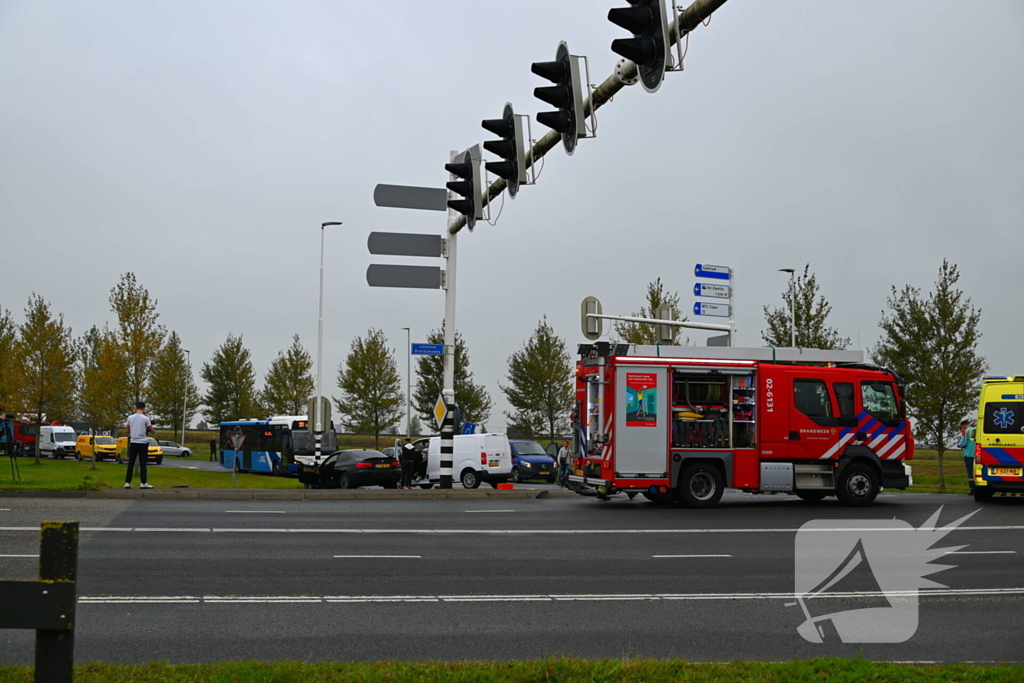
{"type": "Point", "coordinates": [511, 148]}
{"type": "Point", "coordinates": [649, 46]}
{"type": "Point", "coordinates": [566, 95]}
{"type": "Point", "coordinates": [469, 185]}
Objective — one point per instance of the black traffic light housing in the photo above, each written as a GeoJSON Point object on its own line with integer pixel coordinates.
{"type": "Point", "coordinates": [511, 148]}
{"type": "Point", "coordinates": [566, 95]}
{"type": "Point", "coordinates": [470, 186]}
{"type": "Point", "coordinates": [649, 46]}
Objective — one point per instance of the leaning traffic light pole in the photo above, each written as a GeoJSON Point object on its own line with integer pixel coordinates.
{"type": "Point", "coordinates": [689, 19]}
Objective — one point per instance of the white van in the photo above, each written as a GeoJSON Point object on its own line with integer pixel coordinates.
{"type": "Point", "coordinates": [57, 441]}
{"type": "Point", "coordinates": [477, 458]}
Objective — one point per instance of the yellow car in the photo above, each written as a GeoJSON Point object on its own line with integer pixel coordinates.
{"type": "Point", "coordinates": [96, 447]}
{"type": "Point", "coordinates": [156, 454]}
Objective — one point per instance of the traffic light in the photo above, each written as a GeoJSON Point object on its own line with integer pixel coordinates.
{"type": "Point", "coordinates": [511, 148]}
{"type": "Point", "coordinates": [649, 46]}
{"type": "Point", "coordinates": [470, 186]}
{"type": "Point", "coordinates": [566, 95]}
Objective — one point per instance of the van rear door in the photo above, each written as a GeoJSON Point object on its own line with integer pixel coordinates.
{"type": "Point", "coordinates": [499, 453]}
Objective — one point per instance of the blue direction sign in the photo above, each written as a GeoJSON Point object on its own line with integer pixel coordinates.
{"type": "Point", "coordinates": [713, 310]}
{"type": "Point", "coordinates": [713, 291]}
{"type": "Point", "coordinates": [428, 349]}
{"type": "Point", "coordinates": [713, 272]}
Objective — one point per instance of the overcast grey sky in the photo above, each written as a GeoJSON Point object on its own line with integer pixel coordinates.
{"type": "Point", "coordinates": [201, 144]}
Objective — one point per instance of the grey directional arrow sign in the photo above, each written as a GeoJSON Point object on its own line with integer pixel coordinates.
{"type": "Point", "coordinates": [409, 197]}
{"type": "Point", "coordinates": [411, 277]}
{"type": "Point", "coordinates": [404, 244]}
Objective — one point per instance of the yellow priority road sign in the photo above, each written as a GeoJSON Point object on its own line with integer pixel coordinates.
{"type": "Point", "coordinates": [440, 411]}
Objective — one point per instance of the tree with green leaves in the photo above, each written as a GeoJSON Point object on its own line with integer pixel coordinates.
{"type": "Point", "coordinates": [932, 342]}
{"type": "Point", "coordinates": [232, 383]}
{"type": "Point", "coordinates": [646, 333]}
{"type": "Point", "coordinates": [540, 385]}
{"type": "Point", "coordinates": [810, 310]}
{"type": "Point", "coordinates": [138, 333]}
{"type": "Point", "coordinates": [415, 427]}
{"type": "Point", "coordinates": [173, 396]}
{"type": "Point", "coordinates": [371, 398]}
{"type": "Point", "coordinates": [104, 392]}
{"type": "Point", "coordinates": [289, 381]}
{"type": "Point", "coordinates": [8, 342]}
{"type": "Point", "coordinates": [473, 401]}
{"type": "Point", "coordinates": [45, 360]}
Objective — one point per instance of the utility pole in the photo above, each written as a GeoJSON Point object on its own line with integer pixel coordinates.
{"type": "Point", "coordinates": [448, 390]}
{"type": "Point", "coordinates": [408, 382]}
{"type": "Point", "coordinates": [689, 19]}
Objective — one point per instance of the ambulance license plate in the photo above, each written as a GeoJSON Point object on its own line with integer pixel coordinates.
{"type": "Point", "coordinates": [1004, 471]}
{"type": "Point", "coordinates": [494, 463]}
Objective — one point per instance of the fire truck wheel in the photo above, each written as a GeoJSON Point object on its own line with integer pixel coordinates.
{"type": "Point", "coordinates": [701, 486]}
{"type": "Point", "coordinates": [811, 496]}
{"type": "Point", "coordinates": [983, 494]}
{"type": "Point", "coordinates": [858, 485]}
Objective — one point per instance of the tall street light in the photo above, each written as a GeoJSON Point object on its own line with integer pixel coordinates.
{"type": "Point", "coordinates": [792, 306]}
{"type": "Point", "coordinates": [320, 321]}
{"type": "Point", "coordinates": [408, 382]}
{"type": "Point", "coordinates": [184, 405]}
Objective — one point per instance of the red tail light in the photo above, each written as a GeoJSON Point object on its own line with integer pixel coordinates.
{"type": "Point", "coordinates": [396, 464]}
{"type": "Point", "coordinates": [363, 465]}
{"type": "Point", "coordinates": [483, 458]}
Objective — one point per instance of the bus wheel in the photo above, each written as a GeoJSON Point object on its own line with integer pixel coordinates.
{"type": "Point", "coordinates": [983, 494]}
{"type": "Point", "coordinates": [857, 485]}
{"type": "Point", "coordinates": [276, 469]}
{"type": "Point", "coordinates": [701, 486]}
{"type": "Point", "coordinates": [811, 496]}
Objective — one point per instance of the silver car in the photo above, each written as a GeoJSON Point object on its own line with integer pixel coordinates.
{"type": "Point", "coordinates": [171, 448]}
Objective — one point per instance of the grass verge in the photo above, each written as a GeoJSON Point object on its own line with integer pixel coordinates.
{"type": "Point", "coordinates": [554, 669]}
{"type": "Point", "coordinates": [72, 475]}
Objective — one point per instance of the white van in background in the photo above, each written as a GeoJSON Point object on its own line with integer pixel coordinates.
{"type": "Point", "coordinates": [57, 441]}
{"type": "Point", "coordinates": [476, 458]}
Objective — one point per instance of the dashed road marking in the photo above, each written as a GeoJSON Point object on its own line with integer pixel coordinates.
{"type": "Point", "coordinates": [688, 556]}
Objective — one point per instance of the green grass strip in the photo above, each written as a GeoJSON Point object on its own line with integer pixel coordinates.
{"type": "Point", "coordinates": [544, 670]}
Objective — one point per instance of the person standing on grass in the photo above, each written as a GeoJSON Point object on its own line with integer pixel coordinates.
{"type": "Point", "coordinates": [138, 427]}
{"type": "Point", "coordinates": [6, 433]}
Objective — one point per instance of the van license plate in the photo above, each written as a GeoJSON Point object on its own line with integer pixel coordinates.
{"type": "Point", "coordinates": [1004, 471]}
{"type": "Point", "coordinates": [494, 463]}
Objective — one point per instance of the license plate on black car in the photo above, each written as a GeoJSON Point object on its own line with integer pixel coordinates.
{"type": "Point", "coordinates": [385, 466]}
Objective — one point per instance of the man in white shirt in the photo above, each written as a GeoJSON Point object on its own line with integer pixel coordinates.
{"type": "Point", "coordinates": [564, 456]}
{"type": "Point", "coordinates": [138, 427]}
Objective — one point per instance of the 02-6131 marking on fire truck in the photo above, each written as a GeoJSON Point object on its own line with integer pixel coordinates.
{"type": "Point", "coordinates": [769, 396]}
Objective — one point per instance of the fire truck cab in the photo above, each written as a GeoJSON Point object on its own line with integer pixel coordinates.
{"type": "Point", "coordinates": [681, 424]}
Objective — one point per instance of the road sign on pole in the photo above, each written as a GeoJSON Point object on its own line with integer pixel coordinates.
{"type": "Point", "coordinates": [713, 310]}
{"type": "Point", "coordinates": [428, 349]}
{"type": "Point", "coordinates": [440, 410]}
{"type": "Point", "coordinates": [408, 197]}
{"type": "Point", "coordinates": [712, 272]}
{"type": "Point", "coordinates": [405, 244]}
{"type": "Point", "coordinates": [410, 277]}
{"type": "Point", "coordinates": [711, 291]}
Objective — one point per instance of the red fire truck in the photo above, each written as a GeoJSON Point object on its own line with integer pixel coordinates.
{"type": "Point", "coordinates": [681, 424]}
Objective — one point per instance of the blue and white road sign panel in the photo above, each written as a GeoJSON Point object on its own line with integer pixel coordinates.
{"type": "Point", "coordinates": [469, 428]}
{"type": "Point", "coordinates": [713, 272]}
{"type": "Point", "coordinates": [714, 310]}
{"type": "Point", "coordinates": [428, 349]}
{"type": "Point", "coordinates": [713, 291]}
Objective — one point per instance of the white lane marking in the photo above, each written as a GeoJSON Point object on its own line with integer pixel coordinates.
{"type": "Point", "coordinates": [516, 532]}
{"type": "Point", "coordinates": [19, 556]}
{"type": "Point", "coordinates": [472, 511]}
{"type": "Point", "coordinates": [257, 512]}
{"type": "Point", "coordinates": [691, 555]}
{"type": "Point", "coordinates": [585, 597]}
{"type": "Point", "coordinates": [395, 557]}
{"type": "Point", "coordinates": [982, 552]}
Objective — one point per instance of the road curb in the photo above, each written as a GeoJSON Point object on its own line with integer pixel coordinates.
{"type": "Point", "coordinates": [288, 494]}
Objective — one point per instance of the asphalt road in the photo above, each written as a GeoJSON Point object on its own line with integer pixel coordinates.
{"type": "Point", "coordinates": [194, 581]}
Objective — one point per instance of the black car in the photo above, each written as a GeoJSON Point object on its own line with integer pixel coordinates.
{"type": "Point", "coordinates": [351, 469]}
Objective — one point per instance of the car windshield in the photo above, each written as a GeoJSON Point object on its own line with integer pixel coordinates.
{"type": "Point", "coordinates": [104, 441]}
{"type": "Point", "coordinates": [529, 448]}
{"type": "Point", "coordinates": [152, 442]}
{"type": "Point", "coordinates": [63, 436]}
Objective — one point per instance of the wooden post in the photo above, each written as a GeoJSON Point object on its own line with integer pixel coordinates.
{"type": "Point", "coordinates": [58, 562]}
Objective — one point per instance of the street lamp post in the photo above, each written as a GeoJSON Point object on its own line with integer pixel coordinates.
{"type": "Point", "coordinates": [312, 419]}
{"type": "Point", "coordinates": [184, 405]}
{"type": "Point", "coordinates": [792, 306]}
{"type": "Point", "coordinates": [408, 382]}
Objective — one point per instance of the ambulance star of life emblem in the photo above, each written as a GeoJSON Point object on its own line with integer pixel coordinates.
{"type": "Point", "coordinates": [876, 565]}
